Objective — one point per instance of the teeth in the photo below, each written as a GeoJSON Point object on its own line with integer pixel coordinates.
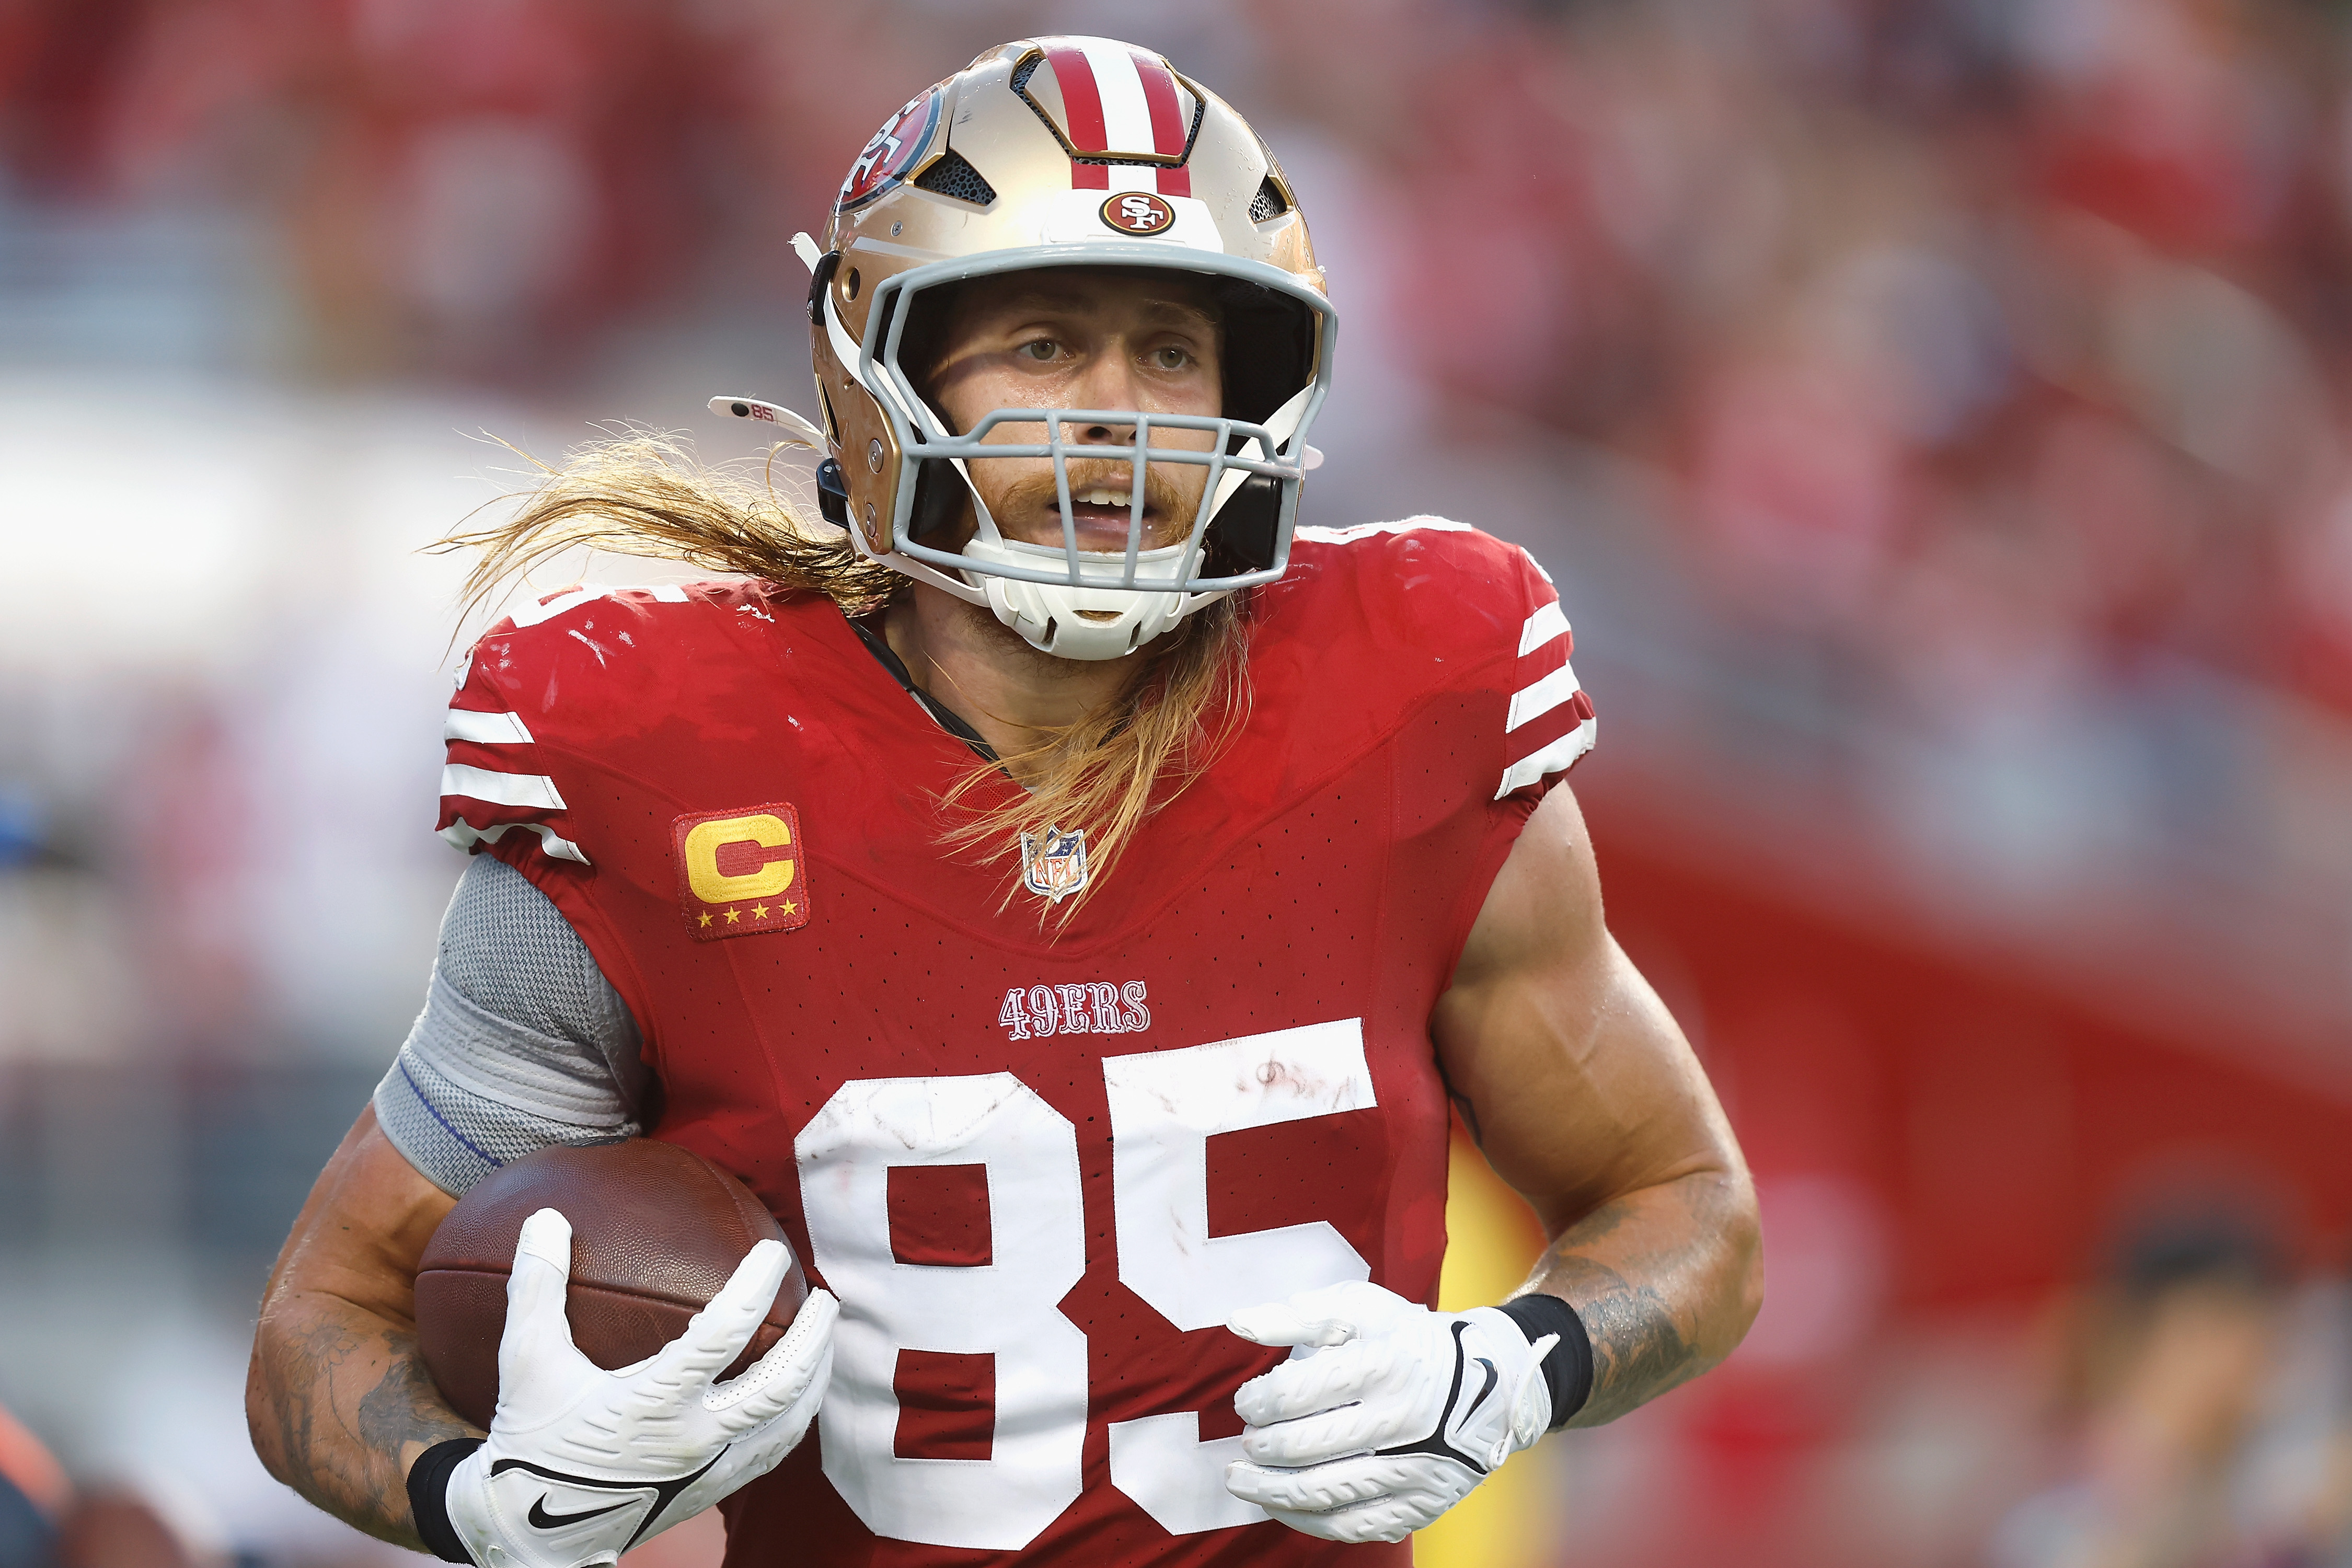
{"type": "Point", "coordinates": [1105, 498]}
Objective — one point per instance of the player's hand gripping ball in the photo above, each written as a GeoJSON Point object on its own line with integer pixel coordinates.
{"type": "Point", "coordinates": [582, 1462]}
{"type": "Point", "coordinates": [1386, 1415]}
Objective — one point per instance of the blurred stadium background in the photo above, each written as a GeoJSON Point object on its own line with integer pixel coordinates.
{"type": "Point", "coordinates": [1935, 412]}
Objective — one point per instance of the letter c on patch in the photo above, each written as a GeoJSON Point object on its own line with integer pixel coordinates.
{"type": "Point", "coordinates": [756, 841]}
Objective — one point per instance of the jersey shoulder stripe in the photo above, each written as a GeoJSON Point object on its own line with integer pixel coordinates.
{"type": "Point", "coordinates": [1548, 722]}
{"type": "Point", "coordinates": [1556, 757]}
{"type": "Point", "coordinates": [1546, 623]}
{"type": "Point", "coordinates": [1362, 530]}
{"type": "Point", "coordinates": [491, 783]}
{"type": "Point", "coordinates": [546, 685]}
{"type": "Point", "coordinates": [536, 790]}
{"type": "Point", "coordinates": [485, 729]}
{"type": "Point", "coordinates": [554, 604]}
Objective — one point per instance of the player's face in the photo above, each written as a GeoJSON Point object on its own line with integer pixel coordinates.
{"type": "Point", "coordinates": [1110, 339]}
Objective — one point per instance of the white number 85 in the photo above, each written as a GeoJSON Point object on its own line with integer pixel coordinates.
{"type": "Point", "coordinates": [1164, 1105]}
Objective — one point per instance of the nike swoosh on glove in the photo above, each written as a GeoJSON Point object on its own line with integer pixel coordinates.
{"type": "Point", "coordinates": [1386, 1415]}
{"type": "Point", "coordinates": [582, 1464]}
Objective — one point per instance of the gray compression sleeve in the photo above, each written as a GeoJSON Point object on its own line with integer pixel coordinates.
{"type": "Point", "coordinates": [522, 1043]}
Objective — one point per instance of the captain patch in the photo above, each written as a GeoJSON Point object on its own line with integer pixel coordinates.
{"type": "Point", "coordinates": [741, 871]}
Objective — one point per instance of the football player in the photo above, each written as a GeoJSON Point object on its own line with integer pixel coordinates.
{"type": "Point", "coordinates": [1068, 891]}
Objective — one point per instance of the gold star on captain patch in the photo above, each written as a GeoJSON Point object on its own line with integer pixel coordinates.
{"type": "Point", "coordinates": [792, 909]}
{"type": "Point", "coordinates": [706, 918]}
{"type": "Point", "coordinates": [759, 911]}
{"type": "Point", "coordinates": [732, 916]}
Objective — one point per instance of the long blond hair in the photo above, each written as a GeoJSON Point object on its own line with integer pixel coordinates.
{"type": "Point", "coordinates": [645, 493]}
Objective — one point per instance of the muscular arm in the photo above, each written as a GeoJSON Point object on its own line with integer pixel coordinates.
{"type": "Point", "coordinates": [339, 1404]}
{"type": "Point", "coordinates": [1587, 1100]}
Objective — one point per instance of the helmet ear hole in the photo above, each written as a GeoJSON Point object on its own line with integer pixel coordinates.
{"type": "Point", "coordinates": [832, 493]}
{"type": "Point", "coordinates": [1242, 537]}
{"type": "Point", "coordinates": [938, 500]}
{"type": "Point", "coordinates": [818, 278]}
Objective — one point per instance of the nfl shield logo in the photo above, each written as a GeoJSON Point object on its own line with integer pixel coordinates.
{"type": "Point", "coordinates": [1054, 863]}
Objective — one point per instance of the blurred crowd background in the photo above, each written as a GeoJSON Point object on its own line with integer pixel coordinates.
{"type": "Point", "coordinates": [1937, 415]}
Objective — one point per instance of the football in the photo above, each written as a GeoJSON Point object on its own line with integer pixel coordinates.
{"type": "Point", "coordinates": [656, 1231]}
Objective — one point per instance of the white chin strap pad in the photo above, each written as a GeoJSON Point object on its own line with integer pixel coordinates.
{"type": "Point", "coordinates": [1054, 617]}
{"type": "Point", "coordinates": [1050, 617]}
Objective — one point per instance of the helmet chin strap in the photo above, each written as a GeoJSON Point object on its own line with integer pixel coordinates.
{"type": "Point", "coordinates": [1282, 423]}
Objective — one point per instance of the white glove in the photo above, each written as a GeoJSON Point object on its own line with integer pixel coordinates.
{"type": "Point", "coordinates": [1388, 1414]}
{"type": "Point", "coordinates": [582, 1464]}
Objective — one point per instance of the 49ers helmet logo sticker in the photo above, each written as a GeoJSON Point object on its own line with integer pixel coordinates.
{"type": "Point", "coordinates": [741, 871]}
{"type": "Point", "coordinates": [1054, 863]}
{"type": "Point", "coordinates": [1137, 211]}
{"type": "Point", "coordinates": [885, 160]}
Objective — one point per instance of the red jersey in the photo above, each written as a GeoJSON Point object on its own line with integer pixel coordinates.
{"type": "Point", "coordinates": [1039, 1167]}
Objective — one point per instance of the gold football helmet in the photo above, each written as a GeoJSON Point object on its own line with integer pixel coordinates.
{"type": "Point", "coordinates": [1056, 153]}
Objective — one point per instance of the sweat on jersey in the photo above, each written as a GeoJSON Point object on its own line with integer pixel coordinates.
{"type": "Point", "coordinates": [1040, 1166]}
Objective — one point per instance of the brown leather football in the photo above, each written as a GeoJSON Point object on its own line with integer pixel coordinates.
{"type": "Point", "coordinates": [656, 1231]}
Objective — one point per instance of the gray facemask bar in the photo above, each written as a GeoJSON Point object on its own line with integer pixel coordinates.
{"type": "Point", "coordinates": [921, 436]}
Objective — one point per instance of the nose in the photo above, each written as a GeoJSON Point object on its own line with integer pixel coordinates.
{"type": "Point", "coordinates": [1109, 383]}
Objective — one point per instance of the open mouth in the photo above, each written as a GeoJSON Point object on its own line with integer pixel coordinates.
{"type": "Point", "coordinates": [1103, 519]}
{"type": "Point", "coordinates": [1102, 504]}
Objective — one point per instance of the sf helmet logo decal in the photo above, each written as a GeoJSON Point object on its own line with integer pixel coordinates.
{"type": "Point", "coordinates": [741, 871]}
{"type": "Point", "coordinates": [883, 160]}
{"type": "Point", "coordinates": [1138, 212]}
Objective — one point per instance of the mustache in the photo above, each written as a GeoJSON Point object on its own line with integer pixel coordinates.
{"type": "Point", "coordinates": [1161, 495]}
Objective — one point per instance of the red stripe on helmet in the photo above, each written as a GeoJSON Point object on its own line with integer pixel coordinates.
{"type": "Point", "coordinates": [1081, 100]}
{"type": "Point", "coordinates": [1167, 127]}
{"type": "Point", "coordinates": [1160, 96]}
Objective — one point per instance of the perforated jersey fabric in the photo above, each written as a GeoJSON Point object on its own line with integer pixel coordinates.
{"type": "Point", "coordinates": [522, 1043]}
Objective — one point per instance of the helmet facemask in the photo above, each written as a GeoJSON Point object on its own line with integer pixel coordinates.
{"type": "Point", "coordinates": [1060, 597]}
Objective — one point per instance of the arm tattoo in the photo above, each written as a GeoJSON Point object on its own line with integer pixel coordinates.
{"type": "Point", "coordinates": [1638, 1351]}
{"type": "Point", "coordinates": [350, 1395]}
{"type": "Point", "coordinates": [1632, 1269]}
{"type": "Point", "coordinates": [301, 1364]}
{"type": "Point", "coordinates": [406, 1407]}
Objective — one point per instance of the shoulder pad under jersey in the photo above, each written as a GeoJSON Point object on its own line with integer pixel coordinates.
{"type": "Point", "coordinates": [554, 678]}
{"type": "Point", "coordinates": [1436, 589]}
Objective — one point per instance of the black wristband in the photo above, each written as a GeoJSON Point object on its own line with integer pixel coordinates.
{"type": "Point", "coordinates": [428, 1497]}
{"type": "Point", "coordinates": [1567, 1370]}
